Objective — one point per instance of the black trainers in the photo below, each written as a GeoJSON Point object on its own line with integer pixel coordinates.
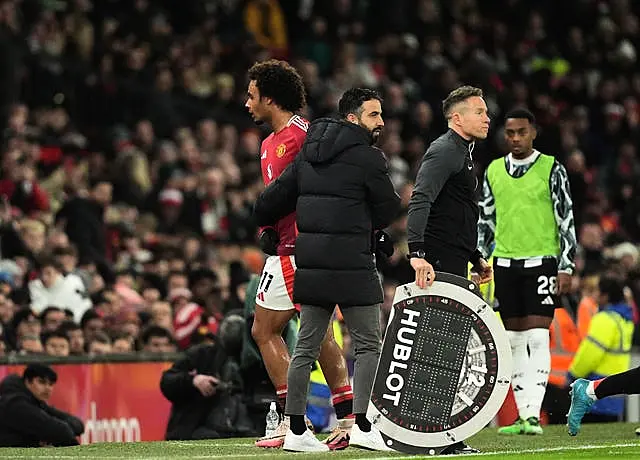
{"type": "Point", "coordinates": [459, 448]}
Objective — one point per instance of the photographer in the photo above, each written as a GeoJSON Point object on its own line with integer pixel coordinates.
{"type": "Point", "coordinates": [205, 389]}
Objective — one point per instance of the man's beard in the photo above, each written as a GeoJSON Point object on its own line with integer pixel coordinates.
{"type": "Point", "coordinates": [258, 122]}
{"type": "Point", "coordinates": [376, 134]}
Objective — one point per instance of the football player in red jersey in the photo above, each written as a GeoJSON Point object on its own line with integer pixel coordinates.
{"type": "Point", "coordinates": [275, 93]}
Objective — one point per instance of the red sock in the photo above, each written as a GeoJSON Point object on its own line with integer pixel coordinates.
{"type": "Point", "coordinates": [281, 397]}
{"type": "Point", "coordinates": [342, 400]}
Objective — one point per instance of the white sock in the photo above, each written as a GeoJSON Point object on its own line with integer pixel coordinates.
{"type": "Point", "coordinates": [537, 373]}
{"type": "Point", "coordinates": [520, 358]}
{"type": "Point", "coordinates": [591, 391]}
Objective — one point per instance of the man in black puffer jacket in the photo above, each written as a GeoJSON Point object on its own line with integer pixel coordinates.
{"type": "Point", "coordinates": [340, 188]}
{"type": "Point", "coordinates": [26, 420]}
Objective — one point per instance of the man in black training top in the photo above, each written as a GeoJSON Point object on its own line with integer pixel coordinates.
{"type": "Point", "coordinates": [443, 211]}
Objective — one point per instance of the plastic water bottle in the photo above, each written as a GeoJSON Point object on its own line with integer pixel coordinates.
{"type": "Point", "coordinates": [273, 420]}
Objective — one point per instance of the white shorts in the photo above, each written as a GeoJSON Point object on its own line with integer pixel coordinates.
{"type": "Point", "coordinates": [275, 291]}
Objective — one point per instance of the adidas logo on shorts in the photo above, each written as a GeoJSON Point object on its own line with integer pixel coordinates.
{"type": "Point", "coordinates": [548, 301]}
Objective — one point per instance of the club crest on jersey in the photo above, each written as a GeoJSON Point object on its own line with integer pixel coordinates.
{"type": "Point", "coordinates": [281, 150]}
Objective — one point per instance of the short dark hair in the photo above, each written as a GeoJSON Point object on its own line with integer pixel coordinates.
{"type": "Point", "coordinates": [23, 314]}
{"type": "Point", "coordinates": [352, 100]}
{"type": "Point", "coordinates": [88, 316]}
{"type": "Point", "coordinates": [58, 334]}
{"type": "Point", "coordinates": [49, 260]}
{"type": "Point", "coordinates": [69, 326]}
{"type": "Point", "coordinates": [119, 335]}
{"type": "Point", "coordinates": [457, 96]}
{"type": "Point", "coordinates": [155, 331]}
{"type": "Point", "coordinates": [100, 337]}
{"type": "Point", "coordinates": [46, 311]}
{"type": "Point", "coordinates": [34, 371]}
{"type": "Point", "coordinates": [281, 82]}
{"type": "Point", "coordinates": [613, 287]}
{"type": "Point", "coordinates": [96, 181]}
{"type": "Point", "coordinates": [60, 251]}
{"type": "Point", "coordinates": [521, 114]}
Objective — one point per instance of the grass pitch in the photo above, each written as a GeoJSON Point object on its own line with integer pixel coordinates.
{"type": "Point", "coordinates": [595, 442]}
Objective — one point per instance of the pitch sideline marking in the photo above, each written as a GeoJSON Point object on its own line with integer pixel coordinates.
{"type": "Point", "coordinates": [503, 452]}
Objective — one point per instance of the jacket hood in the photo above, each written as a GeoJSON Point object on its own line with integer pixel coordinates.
{"type": "Point", "coordinates": [622, 309]}
{"type": "Point", "coordinates": [13, 384]}
{"type": "Point", "coordinates": [327, 138]}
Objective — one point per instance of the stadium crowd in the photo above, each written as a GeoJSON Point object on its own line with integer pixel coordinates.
{"type": "Point", "coordinates": [130, 166]}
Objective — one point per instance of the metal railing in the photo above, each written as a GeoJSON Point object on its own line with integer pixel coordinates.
{"type": "Point", "coordinates": [17, 359]}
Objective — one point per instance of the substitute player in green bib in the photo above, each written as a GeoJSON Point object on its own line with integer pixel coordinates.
{"type": "Point", "coordinates": [526, 208]}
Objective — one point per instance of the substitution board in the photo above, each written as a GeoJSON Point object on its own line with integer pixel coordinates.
{"type": "Point", "coordinates": [444, 370]}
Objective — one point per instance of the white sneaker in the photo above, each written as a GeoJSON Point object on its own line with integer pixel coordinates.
{"type": "Point", "coordinates": [305, 442]}
{"type": "Point", "coordinates": [371, 440]}
{"type": "Point", "coordinates": [276, 440]}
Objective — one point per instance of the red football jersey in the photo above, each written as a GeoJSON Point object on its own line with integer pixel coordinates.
{"type": "Point", "coordinates": [277, 151]}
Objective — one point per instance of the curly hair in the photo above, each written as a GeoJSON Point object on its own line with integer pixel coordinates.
{"type": "Point", "coordinates": [281, 82]}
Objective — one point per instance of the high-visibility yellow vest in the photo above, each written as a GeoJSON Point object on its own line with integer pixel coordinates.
{"type": "Point", "coordinates": [607, 348]}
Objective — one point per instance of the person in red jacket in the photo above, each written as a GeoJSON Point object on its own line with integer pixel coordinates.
{"type": "Point", "coordinates": [21, 189]}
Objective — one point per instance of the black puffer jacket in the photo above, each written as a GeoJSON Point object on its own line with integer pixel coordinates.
{"type": "Point", "coordinates": [27, 422]}
{"type": "Point", "coordinates": [341, 190]}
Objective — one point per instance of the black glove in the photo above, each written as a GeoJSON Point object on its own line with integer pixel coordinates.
{"type": "Point", "coordinates": [269, 240]}
{"type": "Point", "coordinates": [384, 243]}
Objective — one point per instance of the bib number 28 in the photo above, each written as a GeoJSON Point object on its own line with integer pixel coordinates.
{"type": "Point", "coordinates": [547, 285]}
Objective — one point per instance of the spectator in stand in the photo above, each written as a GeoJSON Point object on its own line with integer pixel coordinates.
{"type": "Point", "coordinates": [21, 187]}
{"type": "Point", "coordinates": [56, 344]}
{"type": "Point", "coordinates": [123, 343]}
{"type": "Point", "coordinates": [6, 312]}
{"type": "Point", "coordinates": [29, 345]}
{"type": "Point", "coordinates": [74, 334]}
{"type": "Point", "coordinates": [99, 344]}
{"type": "Point", "coordinates": [22, 241]}
{"type": "Point", "coordinates": [161, 315]}
{"type": "Point", "coordinates": [67, 257]}
{"type": "Point", "coordinates": [176, 280]}
{"type": "Point", "coordinates": [188, 316]}
{"type": "Point", "coordinates": [91, 324]}
{"type": "Point", "coordinates": [156, 339]}
{"type": "Point", "coordinates": [24, 323]}
{"type": "Point", "coordinates": [83, 221]}
{"type": "Point", "coordinates": [53, 288]}
{"type": "Point", "coordinates": [51, 319]}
